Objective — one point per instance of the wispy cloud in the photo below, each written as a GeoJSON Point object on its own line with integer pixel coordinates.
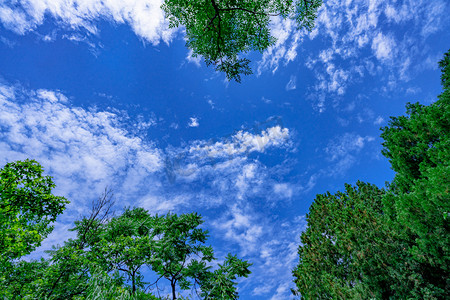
{"type": "Point", "coordinates": [379, 120]}
{"type": "Point", "coordinates": [360, 38]}
{"type": "Point", "coordinates": [383, 47]}
{"type": "Point", "coordinates": [243, 142]}
{"type": "Point", "coordinates": [292, 84]}
{"type": "Point", "coordinates": [341, 151]}
{"type": "Point", "coordinates": [72, 142]}
{"type": "Point", "coordinates": [285, 49]}
{"type": "Point", "coordinates": [195, 60]}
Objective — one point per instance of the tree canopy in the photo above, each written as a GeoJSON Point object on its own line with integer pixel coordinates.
{"type": "Point", "coordinates": [222, 31]}
{"type": "Point", "coordinates": [111, 256]}
{"type": "Point", "coordinates": [372, 243]}
{"type": "Point", "coordinates": [27, 207]}
{"type": "Point", "coordinates": [340, 256]}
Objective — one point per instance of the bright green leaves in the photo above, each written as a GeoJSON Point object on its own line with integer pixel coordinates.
{"type": "Point", "coordinates": [178, 245]}
{"type": "Point", "coordinates": [418, 146]}
{"type": "Point", "coordinates": [108, 254]}
{"type": "Point", "coordinates": [181, 257]}
{"type": "Point", "coordinates": [306, 13]}
{"type": "Point", "coordinates": [420, 140]}
{"type": "Point", "coordinates": [221, 284]}
{"type": "Point", "coordinates": [117, 250]}
{"type": "Point", "coordinates": [222, 31]}
{"type": "Point", "coordinates": [23, 280]}
{"type": "Point", "coordinates": [27, 207]}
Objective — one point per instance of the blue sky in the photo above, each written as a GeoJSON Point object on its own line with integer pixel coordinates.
{"type": "Point", "coordinates": [104, 93]}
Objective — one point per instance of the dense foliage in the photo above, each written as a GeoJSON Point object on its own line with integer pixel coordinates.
{"type": "Point", "coordinates": [110, 254]}
{"type": "Point", "coordinates": [371, 243]}
{"type": "Point", "coordinates": [27, 207]}
{"type": "Point", "coordinates": [220, 31]}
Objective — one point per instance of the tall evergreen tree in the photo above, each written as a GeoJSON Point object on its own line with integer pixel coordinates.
{"type": "Point", "coordinates": [343, 248]}
{"type": "Point", "coordinates": [418, 147]}
{"type": "Point", "coordinates": [366, 243]}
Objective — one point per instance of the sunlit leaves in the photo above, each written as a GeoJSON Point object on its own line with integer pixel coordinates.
{"type": "Point", "coordinates": [27, 207]}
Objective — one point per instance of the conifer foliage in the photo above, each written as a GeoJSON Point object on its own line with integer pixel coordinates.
{"type": "Point", "coordinates": [395, 243]}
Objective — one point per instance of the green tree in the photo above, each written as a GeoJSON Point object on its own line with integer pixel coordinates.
{"type": "Point", "coordinates": [221, 31]}
{"type": "Point", "coordinates": [23, 279]}
{"type": "Point", "coordinates": [181, 257]}
{"type": "Point", "coordinates": [418, 147]}
{"type": "Point", "coordinates": [71, 265]}
{"type": "Point", "coordinates": [104, 287]}
{"type": "Point", "coordinates": [369, 243]}
{"type": "Point", "coordinates": [27, 207]}
{"type": "Point", "coordinates": [111, 253]}
{"type": "Point", "coordinates": [125, 246]}
{"type": "Point", "coordinates": [343, 250]}
{"type": "Point", "coordinates": [221, 283]}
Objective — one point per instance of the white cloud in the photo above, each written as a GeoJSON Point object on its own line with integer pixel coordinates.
{"type": "Point", "coordinates": [240, 227]}
{"type": "Point", "coordinates": [72, 142]}
{"type": "Point", "coordinates": [283, 189]}
{"type": "Point", "coordinates": [292, 84]}
{"type": "Point", "coordinates": [193, 122]}
{"type": "Point", "coordinates": [276, 255]}
{"type": "Point", "coordinates": [379, 120]}
{"type": "Point", "coordinates": [195, 60]}
{"type": "Point", "coordinates": [145, 17]}
{"type": "Point", "coordinates": [243, 142]}
{"type": "Point", "coordinates": [383, 47]}
{"type": "Point", "coordinates": [285, 48]}
{"type": "Point", "coordinates": [354, 37]}
{"type": "Point", "coordinates": [433, 16]}
{"type": "Point", "coordinates": [161, 205]}
{"type": "Point", "coordinates": [265, 100]}
{"type": "Point", "coordinates": [398, 14]}
{"type": "Point", "coordinates": [346, 144]}
{"type": "Point", "coordinates": [281, 291]}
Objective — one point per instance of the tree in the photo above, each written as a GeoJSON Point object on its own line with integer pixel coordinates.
{"type": "Point", "coordinates": [220, 31]}
{"type": "Point", "coordinates": [344, 247]}
{"type": "Point", "coordinates": [101, 286]}
{"type": "Point", "coordinates": [365, 243]}
{"type": "Point", "coordinates": [220, 284]}
{"type": "Point", "coordinates": [418, 147]}
{"type": "Point", "coordinates": [110, 254]}
{"type": "Point", "coordinates": [181, 257]}
{"type": "Point", "coordinates": [70, 265]}
{"type": "Point", "coordinates": [23, 280]}
{"type": "Point", "coordinates": [27, 207]}
{"type": "Point", "coordinates": [125, 246]}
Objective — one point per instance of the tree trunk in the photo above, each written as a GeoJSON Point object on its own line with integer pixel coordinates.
{"type": "Point", "coordinates": [133, 291]}
{"type": "Point", "coordinates": [174, 296]}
